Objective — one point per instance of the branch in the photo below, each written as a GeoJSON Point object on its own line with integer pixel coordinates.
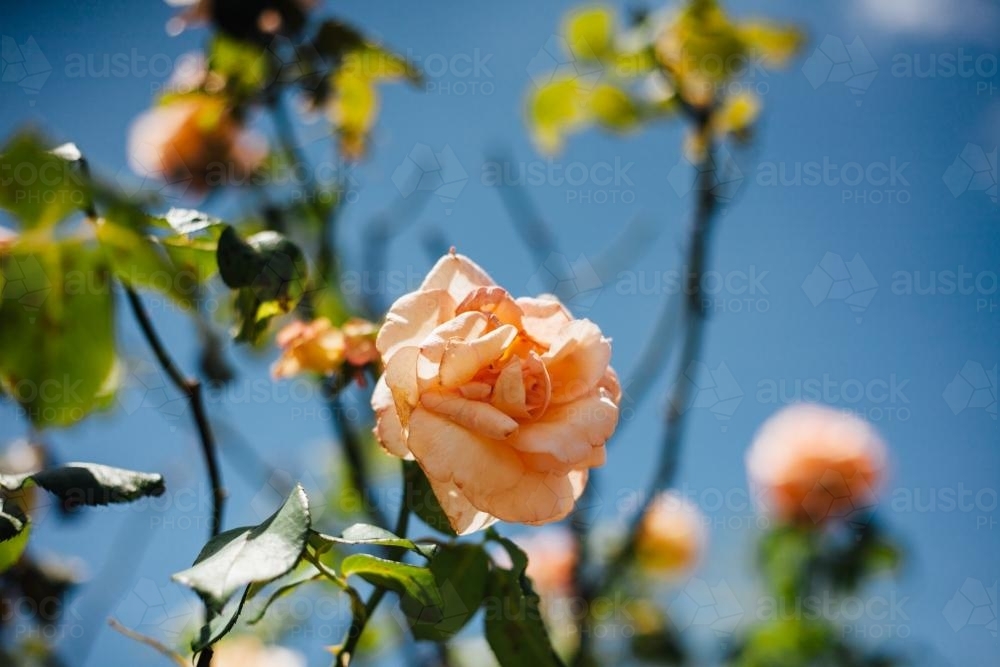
{"type": "Point", "coordinates": [148, 641]}
{"type": "Point", "coordinates": [679, 393]}
{"type": "Point", "coordinates": [354, 453]}
{"type": "Point", "coordinates": [191, 387]}
{"type": "Point", "coordinates": [360, 621]}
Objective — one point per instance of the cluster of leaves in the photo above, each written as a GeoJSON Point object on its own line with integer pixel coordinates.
{"type": "Point", "coordinates": [801, 563]}
{"type": "Point", "coordinates": [334, 65]}
{"type": "Point", "coordinates": [438, 595]}
{"type": "Point", "coordinates": [620, 79]}
{"type": "Point", "coordinates": [58, 354]}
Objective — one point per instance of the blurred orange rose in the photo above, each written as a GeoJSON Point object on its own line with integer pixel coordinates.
{"type": "Point", "coordinates": [672, 535]}
{"type": "Point", "coordinates": [248, 651]}
{"type": "Point", "coordinates": [359, 339]}
{"type": "Point", "coordinates": [811, 462]}
{"type": "Point", "coordinates": [195, 139]}
{"type": "Point", "coordinates": [315, 346]}
{"type": "Point", "coordinates": [505, 403]}
{"type": "Point", "coordinates": [552, 557]}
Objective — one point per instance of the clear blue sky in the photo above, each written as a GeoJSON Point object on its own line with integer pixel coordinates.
{"type": "Point", "coordinates": [913, 222]}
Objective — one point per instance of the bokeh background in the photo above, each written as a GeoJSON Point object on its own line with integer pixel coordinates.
{"type": "Point", "coordinates": [872, 287]}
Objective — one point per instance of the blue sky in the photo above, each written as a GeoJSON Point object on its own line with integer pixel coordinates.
{"type": "Point", "coordinates": [895, 208]}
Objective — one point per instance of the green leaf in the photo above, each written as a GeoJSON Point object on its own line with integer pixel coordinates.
{"type": "Point", "coordinates": [514, 626]}
{"type": "Point", "coordinates": [15, 528]}
{"type": "Point", "coordinates": [420, 499]}
{"type": "Point", "coordinates": [778, 43]}
{"type": "Point", "coordinates": [194, 244]}
{"type": "Point", "coordinates": [460, 572]}
{"type": "Point", "coordinates": [270, 271]}
{"type": "Point", "coordinates": [239, 263]}
{"type": "Point", "coordinates": [407, 580]}
{"type": "Point", "coordinates": [282, 592]}
{"type": "Point", "coordinates": [786, 554]}
{"type": "Point", "coordinates": [139, 262]}
{"type": "Point", "coordinates": [250, 555]}
{"type": "Point", "coordinates": [613, 108]}
{"type": "Point", "coordinates": [221, 624]}
{"type": "Point", "coordinates": [37, 186]}
{"type": "Point", "coordinates": [335, 39]}
{"type": "Point", "coordinates": [555, 110]}
{"type": "Point", "coordinates": [591, 33]}
{"type": "Point", "coordinates": [57, 337]}
{"type": "Point", "coordinates": [90, 484]}
{"type": "Point", "coordinates": [244, 66]}
{"type": "Point", "coordinates": [367, 534]}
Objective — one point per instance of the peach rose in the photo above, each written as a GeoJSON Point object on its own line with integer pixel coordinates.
{"type": "Point", "coordinates": [315, 346]}
{"type": "Point", "coordinates": [194, 139]}
{"type": "Point", "coordinates": [817, 463]}
{"type": "Point", "coordinates": [359, 340]}
{"type": "Point", "coordinates": [505, 403]}
{"type": "Point", "coordinates": [672, 535]}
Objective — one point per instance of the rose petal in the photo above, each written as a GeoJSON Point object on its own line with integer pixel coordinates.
{"type": "Point", "coordinates": [577, 360]}
{"type": "Point", "coordinates": [543, 318]}
{"type": "Point", "coordinates": [388, 429]}
{"type": "Point", "coordinates": [458, 275]}
{"type": "Point", "coordinates": [463, 359]}
{"type": "Point", "coordinates": [412, 318]}
{"type": "Point", "coordinates": [570, 431]}
{"type": "Point", "coordinates": [493, 300]}
{"type": "Point", "coordinates": [478, 417]}
{"type": "Point", "coordinates": [462, 514]}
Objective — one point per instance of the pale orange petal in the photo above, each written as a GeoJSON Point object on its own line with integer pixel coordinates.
{"type": "Point", "coordinates": [388, 429]}
{"type": "Point", "coordinates": [577, 360]}
{"type": "Point", "coordinates": [543, 318]}
{"type": "Point", "coordinates": [463, 359]}
{"type": "Point", "coordinates": [458, 275]}
{"type": "Point", "coordinates": [412, 318]}
{"type": "Point", "coordinates": [476, 416]}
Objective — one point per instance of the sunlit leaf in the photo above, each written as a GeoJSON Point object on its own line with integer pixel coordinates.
{"type": "Point", "coordinates": [254, 554]}
{"type": "Point", "coordinates": [57, 339]}
{"type": "Point", "coordinates": [613, 108]}
{"type": "Point", "coordinates": [366, 534]}
{"type": "Point", "coordinates": [89, 484]}
{"type": "Point", "coordinates": [15, 529]}
{"type": "Point", "coordinates": [590, 33]}
{"type": "Point", "coordinates": [38, 187]}
{"type": "Point", "coordinates": [407, 580]}
{"type": "Point", "coordinates": [555, 110]}
{"type": "Point", "coordinates": [778, 44]}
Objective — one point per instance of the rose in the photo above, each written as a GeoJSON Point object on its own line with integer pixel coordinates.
{"type": "Point", "coordinates": [672, 535]}
{"type": "Point", "coordinates": [812, 462]}
{"type": "Point", "coordinates": [505, 403]}
{"type": "Point", "coordinates": [195, 138]}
